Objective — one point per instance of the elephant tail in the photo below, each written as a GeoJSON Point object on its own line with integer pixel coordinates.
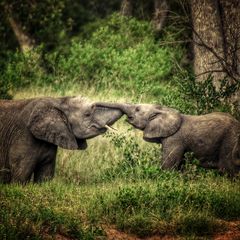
{"type": "Point", "coordinates": [236, 152]}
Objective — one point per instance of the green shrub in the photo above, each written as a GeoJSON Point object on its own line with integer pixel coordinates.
{"type": "Point", "coordinates": [205, 96]}
{"type": "Point", "coordinates": [137, 161]}
{"type": "Point", "coordinates": [22, 70]}
{"type": "Point", "coordinates": [122, 53]}
{"type": "Point", "coordinates": [4, 88]}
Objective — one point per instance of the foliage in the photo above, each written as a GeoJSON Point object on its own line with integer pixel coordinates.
{"type": "Point", "coordinates": [4, 89]}
{"type": "Point", "coordinates": [206, 96]}
{"type": "Point", "coordinates": [137, 162]}
{"type": "Point", "coordinates": [63, 19]}
{"type": "Point", "coordinates": [22, 70]}
{"type": "Point", "coordinates": [120, 53]}
{"type": "Point", "coordinates": [33, 18]}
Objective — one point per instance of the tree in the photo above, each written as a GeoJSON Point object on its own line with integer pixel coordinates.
{"type": "Point", "coordinates": [216, 39]}
{"type": "Point", "coordinates": [34, 22]}
{"type": "Point", "coordinates": [230, 16]}
{"type": "Point", "coordinates": [25, 42]}
{"type": "Point", "coordinates": [156, 9]}
{"type": "Point", "coordinates": [207, 39]}
{"type": "Point", "coordinates": [161, 9]}
{"type": "Point", "coordinates": [126, 8]}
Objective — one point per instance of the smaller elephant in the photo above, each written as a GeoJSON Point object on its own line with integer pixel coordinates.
{"type": "Point", "coordinates": [32, 129]}
{"type": "Point", "coordinates": [214, 138]}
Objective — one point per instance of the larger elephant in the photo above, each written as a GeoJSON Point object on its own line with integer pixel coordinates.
{"type": "Point", "coordinates": [214, 137]}
{"type": "Point", "coordinates": [31, 130]}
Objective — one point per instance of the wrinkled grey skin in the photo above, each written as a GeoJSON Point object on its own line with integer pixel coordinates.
{"type": "Point", "coordinates": [31, 130]}
{"type": "Point", "coordinates": [213, 138]}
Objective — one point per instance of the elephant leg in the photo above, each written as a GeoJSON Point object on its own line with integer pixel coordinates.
{"type": "Point", "coordinates": [172, 156]}
{"type": "Point", "coordinates": [45, 171]}
{"type": "Point", "coordinates": [21, 173]}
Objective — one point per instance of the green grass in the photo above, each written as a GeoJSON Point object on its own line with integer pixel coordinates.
{"type": "Point", "coordinates": [116, 181]}
{"type": "Point", "coordinates": [170, 204]}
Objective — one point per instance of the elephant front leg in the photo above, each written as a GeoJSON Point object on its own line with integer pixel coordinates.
{"type": "Point", "coordinates": [172, 156]}
{"type": "Point", "coordinates": [45, 171]}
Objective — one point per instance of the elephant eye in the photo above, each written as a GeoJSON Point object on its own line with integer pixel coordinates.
{"type": "Point", "coordinates": [153, 116]}
{"type": "Point", "coordinates": [137, 109]}
{"type": "Point", "coordinates": [87, 114]}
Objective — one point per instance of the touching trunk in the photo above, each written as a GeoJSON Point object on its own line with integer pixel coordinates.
{"type": "Point", "coordinates": [105, 116]}
{"type": "Point", "coordinates": [125, 108]}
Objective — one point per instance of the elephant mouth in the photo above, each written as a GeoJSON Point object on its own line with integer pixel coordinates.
{"type": "Point", "coordinates": [99, 129]}
{"type": "Point", "coordinates": [130, 121]}
{"type": "Point", "coordinates": [94, 131]}
{"type": "Point", "coordinates": [82, 143]}
{"type": "Point", "coordinates": [153, 140]}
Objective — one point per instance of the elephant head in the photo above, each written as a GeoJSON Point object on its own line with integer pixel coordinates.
{"type": "Point", "coordinates": [68, 122]}
{"type": "Point", "coordinates": [154, 120]}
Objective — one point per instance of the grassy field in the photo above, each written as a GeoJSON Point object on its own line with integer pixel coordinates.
{"type": "Point", "coordinates": [116, 183]}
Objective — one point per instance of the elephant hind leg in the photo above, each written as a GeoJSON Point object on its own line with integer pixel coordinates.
{"type": "Point", "coordinates": [226, 163]}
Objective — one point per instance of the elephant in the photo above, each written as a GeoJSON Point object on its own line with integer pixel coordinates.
{"type": "Point", "coordinates": [32, 129]}
{"type": "Point", "coordinates": [214, 138]}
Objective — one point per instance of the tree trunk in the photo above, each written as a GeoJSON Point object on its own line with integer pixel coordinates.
{"type": "Point", "coordinates": [230, 15]}
{"type": "Point", "coordinates": [25, 42]}
{"type": "Point", "coordinates": [127, 8]}
{"type": "Point", "coordinates": [208, 40]}
{"type": "Point", "coordinates": [160, 14]}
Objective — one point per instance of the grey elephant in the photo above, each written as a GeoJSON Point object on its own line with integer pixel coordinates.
{"type": "Point", "coordinates": [31, 130]}
{"type": "Point", "coordinates": [214, 137]}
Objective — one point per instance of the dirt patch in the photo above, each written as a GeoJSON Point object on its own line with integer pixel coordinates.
{"type": "Point", "coordinates": [61, 237]}
{"type": "Point", "coordinates": [232, 231]}
{"type": "Point", "coordinates": [114, 234]}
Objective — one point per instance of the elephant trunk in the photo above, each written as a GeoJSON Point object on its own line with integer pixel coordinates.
{"type": "Point", "coordinates": [105, 116]}
{"type": "Point", "coordinates": [123, 107]}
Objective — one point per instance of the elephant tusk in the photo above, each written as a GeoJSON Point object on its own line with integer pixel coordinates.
{"type": "Point", "coordinates": [110, 128]}
{"type": "Point", "coordinates": [5, 170]}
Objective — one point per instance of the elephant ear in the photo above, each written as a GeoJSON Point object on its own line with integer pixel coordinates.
{"type": "Point", "coordinates": [162, 123]}
{"type": "Point", "coordinates": [50, 124]}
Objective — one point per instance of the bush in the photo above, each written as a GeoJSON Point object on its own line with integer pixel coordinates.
{"type": "Point", "coordinates": [22, 70]}
{"type": "Point", "coordinates": [122, 53]}
{"type": "Point", "coordinates": [137, 161]}
{"type": "Point", "coordinates": [4, 89]}
{"type": "Point", "coordinates": [205, 96]}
